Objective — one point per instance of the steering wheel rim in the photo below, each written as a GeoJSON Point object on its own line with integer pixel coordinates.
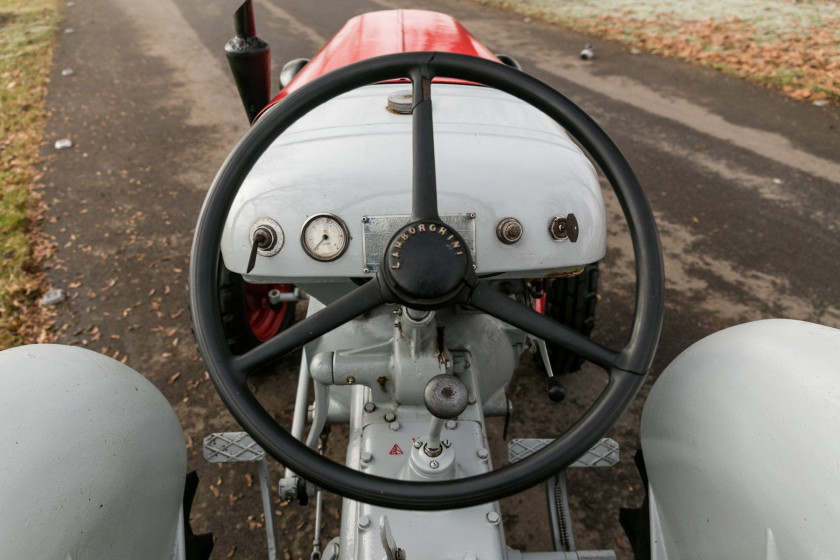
{"type": "Point", "coordinates": [627, 369]}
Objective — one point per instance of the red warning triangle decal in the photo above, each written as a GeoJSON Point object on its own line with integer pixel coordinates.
{"type": "Point", "coordinates": [395, 450]}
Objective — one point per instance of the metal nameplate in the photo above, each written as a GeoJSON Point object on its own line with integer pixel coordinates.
{"type": "Point", "coordinates": [378, 230]}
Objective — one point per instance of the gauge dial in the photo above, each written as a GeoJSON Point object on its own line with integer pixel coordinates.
{"type": "Point", "coordinates": [324, 237]}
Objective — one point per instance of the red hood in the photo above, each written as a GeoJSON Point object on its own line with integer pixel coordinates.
{"type": "Point", "coordinates": [387, 32]}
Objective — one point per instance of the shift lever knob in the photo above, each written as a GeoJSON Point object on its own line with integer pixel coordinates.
{"type": "Point", "coordinates": [445, 396]}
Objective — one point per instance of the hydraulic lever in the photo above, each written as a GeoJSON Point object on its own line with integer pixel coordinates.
{"type": "Point", "coordinates": [556, 390]}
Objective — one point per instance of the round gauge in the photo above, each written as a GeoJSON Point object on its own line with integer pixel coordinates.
{"type": "Point", "coordinates": [324, 237]}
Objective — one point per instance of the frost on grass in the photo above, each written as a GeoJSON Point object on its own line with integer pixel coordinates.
{"type": "Point", "coordinates": [794, 46]}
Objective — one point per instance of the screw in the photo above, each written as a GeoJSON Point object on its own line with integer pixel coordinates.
{"type": "Point", "coordinates": [364, 522]}
{"type": "Point", "coordinates": [493, 518]}
{"type": "Point", "coordinates": [395, 426]}
{"type": "Point", "coordinates": [418, 444]}
{"type": "Point", "coordinates": [390, 417]}
{"type": "Point", "coordinates": [472, 214]}
{"type": "Point", "coordinates": [369, 407]}
{"type": "Point", "coordinates": [446, 443]}
{"type": "Point", "coordinates": [451, 424]}
{"type": "Point", "coordinates": [350, 380]}
{"type": "Point", "coordinates": [482, 453]}
{"type": "Point", "coordinates": [366, 270]}
{"type": "Point", "coordinates": [434, 464]}
{"type": "Point", "coordinates": [366, 457]}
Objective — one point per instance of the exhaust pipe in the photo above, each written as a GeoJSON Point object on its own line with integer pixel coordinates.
{"type": "Point", "coordinates": [250, 61]}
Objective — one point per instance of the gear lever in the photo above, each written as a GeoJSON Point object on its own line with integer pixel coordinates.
{"type": "Point", "coordinates": [445, 397]}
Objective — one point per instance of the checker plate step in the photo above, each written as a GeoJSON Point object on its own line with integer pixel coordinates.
{"type": "Point", "coordinates": [603, 454]}
{"type": "Point", "coordinates": [232, 447]}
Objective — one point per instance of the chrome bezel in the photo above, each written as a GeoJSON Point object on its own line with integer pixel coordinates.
{"type": "Point", "coordinates": [279, 238]}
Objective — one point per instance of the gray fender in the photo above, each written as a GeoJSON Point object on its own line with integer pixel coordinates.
{"type": "Point", "coordinates": [740, 439]}
{"type": "Point", "coordinates": [94, 459]}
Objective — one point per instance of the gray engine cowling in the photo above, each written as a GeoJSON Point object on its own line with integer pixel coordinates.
{"type": "Point", "coordinates": [95, 458]}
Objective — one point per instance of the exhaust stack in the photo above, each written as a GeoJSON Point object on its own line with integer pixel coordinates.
{"type": "Point", "coordinates": [250, 61]}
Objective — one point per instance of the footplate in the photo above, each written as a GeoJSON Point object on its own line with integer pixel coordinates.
{"type": "Point", "coordinates": [602, 454]}
{"type": "Point", "coordinates": [232, 447]}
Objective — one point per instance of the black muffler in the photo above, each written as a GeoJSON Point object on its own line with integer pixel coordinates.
{"type": "Point", "coordinates": [250, 61]}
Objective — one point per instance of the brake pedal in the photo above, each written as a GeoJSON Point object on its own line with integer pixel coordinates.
{"type": "Point", "coordinates": [232, 447]}
{"type": "Point", "coordinates": [605, 453]}
{"type": "Point", "coordinates": [239, 447]}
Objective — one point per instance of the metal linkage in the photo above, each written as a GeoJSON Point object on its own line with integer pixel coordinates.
{"type": "Point", "coordinates": [605, 453]}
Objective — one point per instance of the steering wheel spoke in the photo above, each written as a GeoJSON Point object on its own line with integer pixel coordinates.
{"type": "Point", "coordinates": [500, 306]}
{"type": "Point", "coordinates": [424, 179]}
{"type": "Point", "coordinates": [362, 299]}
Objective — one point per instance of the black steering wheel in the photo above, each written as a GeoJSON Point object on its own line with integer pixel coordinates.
{"type": "Point", "coordinates": [426, 266]}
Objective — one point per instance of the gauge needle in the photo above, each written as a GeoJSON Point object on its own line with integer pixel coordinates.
{"type": "Point", "coordinates": [324, 238]}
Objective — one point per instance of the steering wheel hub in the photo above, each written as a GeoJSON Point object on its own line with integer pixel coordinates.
{"type": "Point", "coordinates": [426, 263]}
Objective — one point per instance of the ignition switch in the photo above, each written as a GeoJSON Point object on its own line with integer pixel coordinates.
{"type": "Point", "coordinates": [266, 237]}
{"type": "Point", "coordinates": [564, 227]}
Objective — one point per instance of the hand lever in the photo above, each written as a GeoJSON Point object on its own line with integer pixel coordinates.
{"type": "Point", "coordinates": [262, 240]}
{"type": "Point", "coordinates": [556, 391]}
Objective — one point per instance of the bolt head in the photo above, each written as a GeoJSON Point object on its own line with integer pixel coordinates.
{"type": "Point", "coordinates": [493, 518]}
{"type": "Point", "coordinates": [471, 399]}
{"type": "Point", "coordinates": [418, 444]}
{"type": "Point", "coordinates": [395, 426]}
{"type": "Point", "coordinates": [451, 424]}
{"type": "Point", "coordinates": [366, 457]}
{"type": "Point", "coordinates": [482, 453]}
{"type": "Point", "coordinates": [370, 407]}
{"type": "Point", "coordinates": [390, 417]}
{"type": "Point", "coordinates": [364, 522]}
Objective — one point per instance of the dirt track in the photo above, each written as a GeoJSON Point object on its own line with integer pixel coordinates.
{"type": "Point", "coordinates": [152, 112]}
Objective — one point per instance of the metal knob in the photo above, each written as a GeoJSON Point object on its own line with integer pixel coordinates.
{"type": "Point", "coordinates": [509, 231]}
{"type": "Point", "coordinates": [445, 396]}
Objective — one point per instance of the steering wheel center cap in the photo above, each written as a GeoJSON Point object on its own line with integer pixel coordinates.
{"type": "Point", "coordinates": [426, 262]}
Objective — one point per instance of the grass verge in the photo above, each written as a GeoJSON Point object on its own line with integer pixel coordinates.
{"type": "Point", "coordinates": [790, 46]}
{"type": "Point", "coordinates": [27, 36]}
